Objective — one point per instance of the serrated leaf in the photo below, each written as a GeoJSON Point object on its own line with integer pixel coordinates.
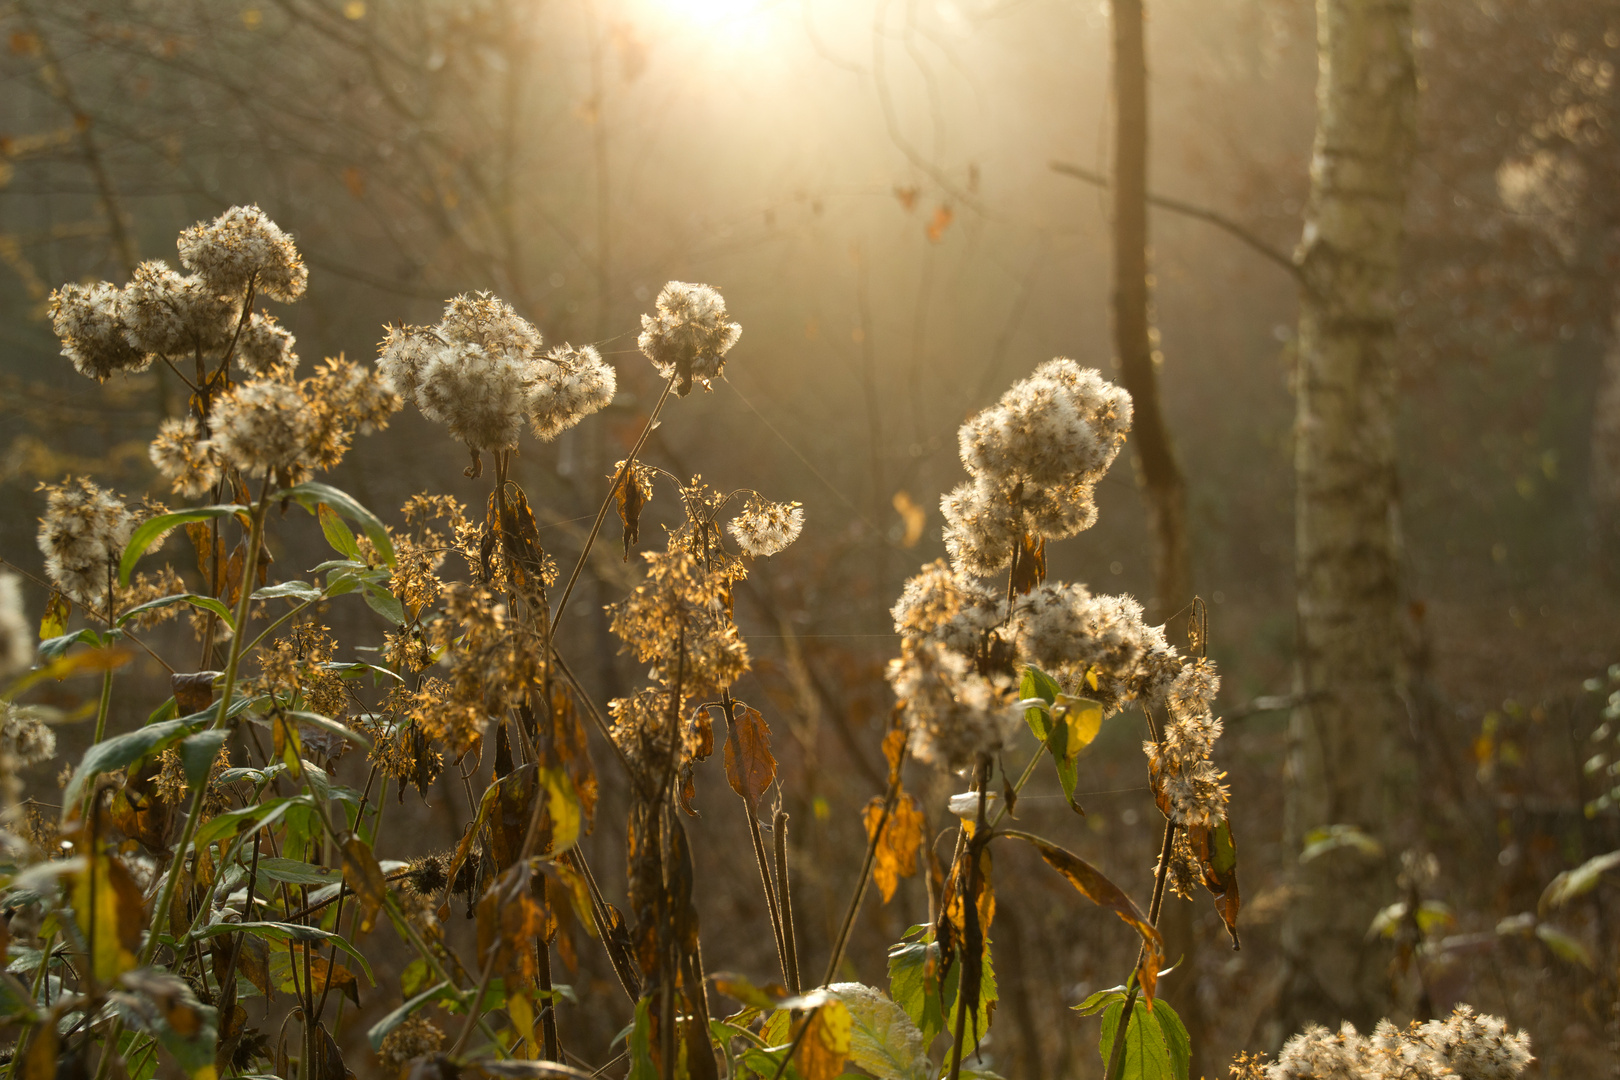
{"type": "Point", "coordinates": [883, 1040]}
{"type": "Point", "coordinates": [1148, 1054]}
{"type": "Point", "coordinates": [914, 984]}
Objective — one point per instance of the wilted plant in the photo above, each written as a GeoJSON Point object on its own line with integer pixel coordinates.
{"type": "Point", "coordinates": [210, 855]}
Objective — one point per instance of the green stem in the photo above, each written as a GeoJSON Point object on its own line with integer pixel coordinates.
{"type": "Point", "coordinates": [1117, 1058]}
{"type": "Point", "coordinates": [160, 914]}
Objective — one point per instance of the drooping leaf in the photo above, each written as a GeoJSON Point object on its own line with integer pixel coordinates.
{"type": "Point", "coordinates": [336, 532]}
{"type": "Point", "coordinates": [365, 879]}
{"type": "Point", "coordinates": [883, 1040]}
{"type": "Point", "coordinates": [1577, 882]}
{"type": "Point", "coordinates": [166, 1006]}
{"type": "Point", "coordinates": [1216, 853]}
{"type": "Point", "coordinates": [1037, 684]}
{"type": "Point", "coordinates": [750, 768]}
{"type": "Point", "coordinates": [914, 984]}
{"type": "Point", "coordinates": [1075, 722]}
{"type": "Point", "coordinates": [198, 753]}
{"type": "Point", "coordinates": [896, 855]}
{"type": "Point", "coordinates": [1094, 886]}
{"type": "Point", "coordinates": [640, 1043]}
{"type": "Point", "coordinates": [826, 1041]}
{"type": "Point", "coordinates": [562, 806]}
{"type": "Point", "coordinates": [54, 621]}
{"type": "Point", "coordinates": [111, 914]}
{"type": "Point", "coordinates": [311, 494]}
{"type": "Point", "coordinates": [1565, 945]}
{"type": "Point", "coordinates": [147, 532]}
{"type": "Point", "coordinates": [1325, 838]}
{"type": "Point", "coordinates": [1155, 1048]}
{"type": "Point", "coordinates": [295, 932]}
{"type": "Point", "coordinates": [206, 603]}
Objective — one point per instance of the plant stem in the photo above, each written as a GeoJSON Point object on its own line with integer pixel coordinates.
{"type": "Point", "coordinates": [779, 826]}
{"type": "Point", "coordinates": [1117, 1058]}
{"type": "Point", "coordinates": [601, 515]}
{"type": "Point", "coordinates": [969, 900]}
{"type": "Point", "coordinates": [160, 914]}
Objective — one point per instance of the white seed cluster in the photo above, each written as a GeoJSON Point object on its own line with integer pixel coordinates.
{"type": "Point", "coordinates": [262, 425]}
{"type": "Point", "coordinates": [1464, 1046]}
{"type": "Point", "coordinates": [954, 713]}
{"type": "Point", "coordinates": [765, 528]}
{"type": "Point", "coordinates": [687, 338]}
{"type": "Point", "coordinates": [1181, 763]}
{"type": "Point", "coordinates": [480, 372]}
{"type": "Point", "coordinates": [1035, 459]}
{"type": "Point", "coordinates": [162, 312]}
{"type": "Point", "coordinates": [244, 246]}
{"type": "Point", "coordinates": [82, 536]}
{"type": "Point", "coordinates": [16, 636]}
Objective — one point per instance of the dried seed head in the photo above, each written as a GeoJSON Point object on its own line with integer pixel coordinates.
{"type": "Point", "coordinates": [82, 536]}
{"type": "Point", "coordinates": [184, 457]}
{"type": "Point", "coordinates": [90, 321]}
{"type": "Point", "coordinates": [402, 354]}
{"type": "Point", "coordinates": [953, 713]}
{"type": "Point", "coordinates": [954, 609]}
{"type": "Point", "coordinates": [16, 636]}
{"type": "Point", "coordinates": [766, 528]}
{"type": "Point", "coordinates": [262, 425]}
{"type": "Point", "coordinates": [490, 323]}
{"type": "Point", "coordinates": [688, 336]}
{"type": "Point", "coordinates": [264, 345]}
{"type": "Point", "coordinates": [243, 245]}
{"type": "Point", "coordinates": [173, 315]}
{"type": "Point", "coordinates": [573, 384]}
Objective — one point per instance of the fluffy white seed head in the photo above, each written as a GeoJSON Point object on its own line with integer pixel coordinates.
{"type": "Point", "coordinates": [481, 395]}
{"type": "Point", "coordinates": [981, 534]}
{"type": "Point", "coordinates": [243, 245]}
{"type": "Point", "coordinates": [404, 351]}
{"type": "Point", "coordinates": [765, 528]}
{"type": "Point", "coordinates": [1464, 1046]}
{"type": "Point", "coordinates": [184, 457]}
{"type": "Point", "coordinates": [688, 335]}
{"type": "Point", "coordinates": [89, 320]}
{"type": "Point", "coordinates": [942, 605]}
{"type": "Point", "coordinates": [82, 536]}
{"type": "Point", "coordinates": [173, 314]}
{"type": "Point", "coordinates": [26, 738]}
{"type": "Point", "coordinates": [264, 344]}
{"type": "Point", "coordinates": [261, 425]}
{"type": "Point", "coordinates": [573, 384]}
{"type": "Point", "coordinates": [953, 713]}
{"type": "Point", "coordinates": [490, 323]}
{"type": "Point", "coordinates": [16, 636]}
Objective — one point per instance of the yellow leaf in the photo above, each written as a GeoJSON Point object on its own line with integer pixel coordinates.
{"type": "Point", "coordinates": [563, 805]}
{"type": "Point", "coordinates": [107, 906]}
{"type": "Point", "coordinates": [825, 1046]}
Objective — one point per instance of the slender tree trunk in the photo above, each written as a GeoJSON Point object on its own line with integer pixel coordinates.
{"type": "Point", "coordinates": [1349, 758]}
{"type": "Point", "coordinates": [1606, 454]}
{"type": "Point", "coordinates": [1164, 490]}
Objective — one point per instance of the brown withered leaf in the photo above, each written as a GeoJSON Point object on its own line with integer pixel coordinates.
{"type": "Point", "coordinates": [1091, 884]}
{"type": "Point", "coordinates": [826, 1043]}
{"type": "Point", "coordinates": [510, 918]}
{"type": "Point", "coordinates": [896, 855]}
{"type": "Point", "coordinates": [632, 495]}
{"type": "Point", "coordinates": [520, 540]}
{"type": "Point", "coordinates": [193, 692]}
{"type": "Point", "coordinates": [894, 748]}
{"type": "Point", "coordinates": [364, 876]}
{"type": "Point", "coordinates": [1029, 564]}
{"type": "Point", "coordinates": [322, 973]}
{"type": "Point", "coordinates": [1216, 852]}
{"type": "Point", "coordinates": [750, 768]}
{"type": "Point", "coordinates": [510, 813]}
{"type": "Point", "coordinates": [328, 1058]}
{"type": "Point", "coordinates": [39, 1060]}
{"type": "Point", "coordinates": [139, 813]}
{"type": "Point", "coordinates": [202, 542]}
{"type": "Point", "coordinates": [571, 747]}
{"type": "Point", "coordinates": [688, 790]}
{"type": "Point", "coordinates": [703, 728]}
{"type": "Point", "coordinates": [503, 751]}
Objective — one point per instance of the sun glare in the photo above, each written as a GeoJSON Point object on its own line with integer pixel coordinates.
{"type": "Point", "coordinates": [713, 13]}
{"type": "Point", "coordinates": [736, 22]}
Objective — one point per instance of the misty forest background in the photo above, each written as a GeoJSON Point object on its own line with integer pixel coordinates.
{"type": "Point", "coordinates": [872, 185]}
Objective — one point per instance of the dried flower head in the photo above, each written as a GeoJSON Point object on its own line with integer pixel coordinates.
{"type": "Point", "coordinates": [243, 245]}
{"type": "Point", "coordinates": [16, 635]}
{"type": "Point", "coordinates": [184, 457]}
{"type": "Point", "coordinates": [171, 314]}
{"type": "Point", "coordinates": [264, 345]}
{"type": "Point", "coordinates": [942, 605]}
{"type": "Point", "coordinates": [765, 528]}
{"type": "Point", "coordinates": [416, 1037]}
{"type": "Point", "coordinates": [490, 323]}
{"type": "Point", "coordinates": [25, 736]}
{"type": "Point", "coordinates": [678, 619]}
{"type": "Point", "coordinates": [573, 384]}
{"type": "Point", "coordinates": [953, 713]}
{"type": "Point", "coordinates": [1464, 1046]}
{"type": "Point", "coordinates": [481, 396]}
{"type": "Point", "coordinates": [403, 352]}
{"type": "Point", "coordinates": [90, 321]}
{"type": "Point", "coordinates": [263, 425]}
{"type": "Point", "coordinates": [82, 536]}
{"type": "Point", "coordinates": [688, 337]}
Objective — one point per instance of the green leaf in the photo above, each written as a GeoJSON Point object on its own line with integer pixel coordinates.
{"type": "Point", "coordinates": [914, 984]}
{"type": "Point", "coordinates": [1565, 946]}
{"type": "Point", "coordinates": [51, 648]}
{"type": "Point", "coordinates": [124, 750]}
{"type": "Point", "coordinates": [639, 1045]}
{"type": "Point", "coordinates": [234, 821]}
{"type": "Point", "coordinates": [339, 535]}
{"type": "Point", "coordinates": [1577, 882]}
{"type": "Point", "coordinates": [207, 603]}
{"type": "Point", "coordinates": [1148, 1053]}
{"type": "Point", "coordinates": [332, 726]}
{"type": "Point", "coordinates": [883, 1039]}
{"type": "Point", "coordinates": [988, 995]}
{"type": "Point", "coordinates": [1326, 838]}
{"type": "Point", "coordinates": [197, 753]}
{"type": "Point", "coordinates": [385, 603]}
{"type": "Point", "coordinates": [297, 590]}
{"type": "Point", "coordinates": [1038, 684]}
{"type": "Point", "coordinates": [379, 1031]}
{"type": "Point", "coordinates": [280, 931]}
{"type": "Point", "coordinates": [1099, 1001]}
{"type": "Point", "coordinates": [295, 872]}
{"type": "Point", "coordinates": [310, 495]}
{"type": "Point", "coordinates": [147, 533]}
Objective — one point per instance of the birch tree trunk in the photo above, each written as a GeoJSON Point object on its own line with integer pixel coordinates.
{"type": "Point", "coordinates": [1348, 754]}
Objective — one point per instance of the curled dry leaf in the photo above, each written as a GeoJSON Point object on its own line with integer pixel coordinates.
{"type": "Point", "coordinates": [749, 765]}
{"type": "Point", "coordinates": [896, 855]}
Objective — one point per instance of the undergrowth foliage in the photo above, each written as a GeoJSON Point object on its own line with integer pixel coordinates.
{"type": "Point", "coordinates": [209, 856]}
